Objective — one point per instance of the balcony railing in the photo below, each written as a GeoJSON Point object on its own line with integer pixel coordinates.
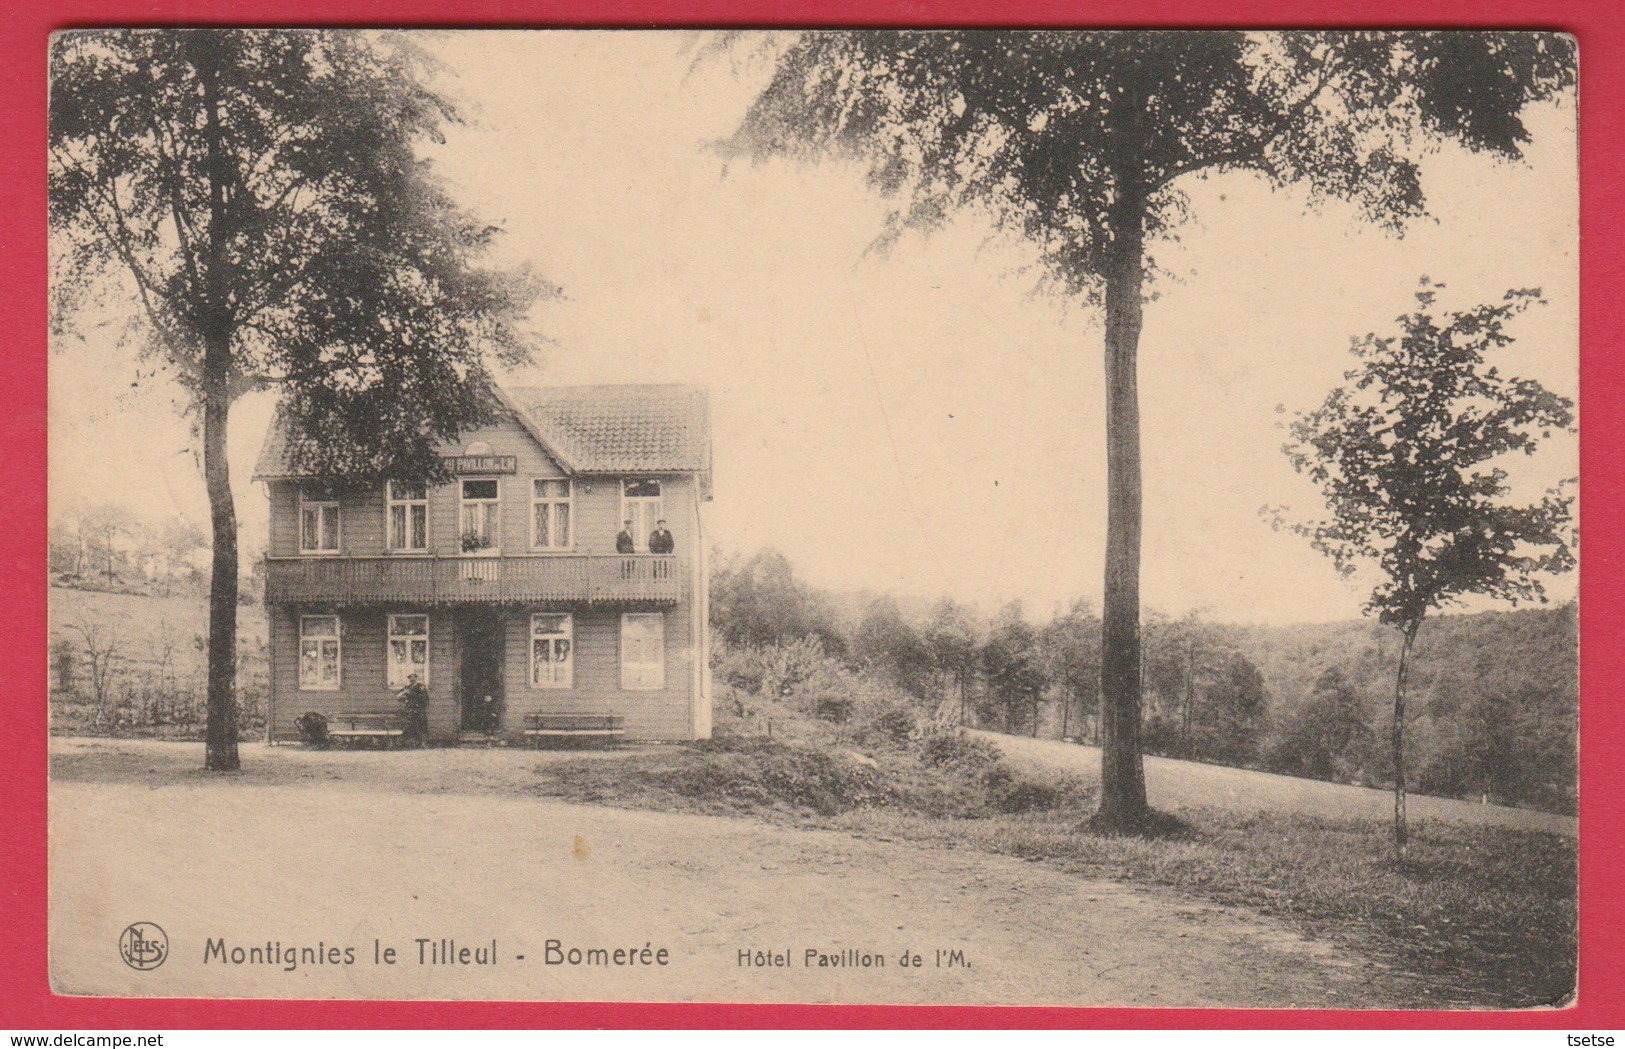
{"type": "Point", "coordinates": [457, 580]}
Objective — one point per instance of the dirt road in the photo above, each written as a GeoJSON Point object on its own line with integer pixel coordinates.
{"type": "Point", "coordinates": [251, 862]}
{"type": "Point", "coordinates": [1172, 784]}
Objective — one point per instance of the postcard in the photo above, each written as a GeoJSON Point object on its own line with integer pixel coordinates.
{"type": "Point", "coordinates": [929, 517]}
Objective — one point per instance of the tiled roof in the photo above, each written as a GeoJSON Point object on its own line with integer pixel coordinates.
{"type": "Point", "coordinates": [618, 429]}
{"type": "Point", "coordinates": [591, 429]}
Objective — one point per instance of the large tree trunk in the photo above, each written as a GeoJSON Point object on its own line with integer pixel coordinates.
{"type": "Point", "coordinates": [220, 733]}
{"type": "Point", "coordinates": [220, 730]}
{"type": "Point", "coordinates": [1122, 772]}
{"type": "Point", "coordinates": [1408, 636]}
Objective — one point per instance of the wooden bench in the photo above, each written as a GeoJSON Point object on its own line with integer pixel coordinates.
{"type": "Point", "coordinates": [383, 728]}
{"type": "Point", "coordinates": [573, 726]}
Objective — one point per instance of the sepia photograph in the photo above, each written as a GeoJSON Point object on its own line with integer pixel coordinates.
{"type": "Point", "coordinates": [1079, 518]}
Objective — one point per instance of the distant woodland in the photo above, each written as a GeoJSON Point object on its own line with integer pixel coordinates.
{"type": "Point", "coordinates": [1495, 716]}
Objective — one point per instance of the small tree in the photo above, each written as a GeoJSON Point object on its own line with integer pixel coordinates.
{"type": "Point", "coordinates": [1071, 648]}
{"type": "Point", "coordinates": [102, 644]}
{"type": "Point", "coordinates": [889, 645]}
{"type": "Point", "coordinates": [1404, 454]}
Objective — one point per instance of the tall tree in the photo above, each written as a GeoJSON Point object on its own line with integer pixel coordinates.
{"type": "Point", "coordinates": [1406, 456]}
{"type": "Point", "coordinates": [1071, 649]}
{"type": "Point", "coordinates": [759, 601]}
{"type": "Point", "coordinates": [953, 636]}
{"type": "Point", "coordinates": [890, 645]}
{"type": "Point", "coordinates": [1081, 142]}
{"type": "Point", "coordinates": [1015, 667]}
{"type": "Point", "coordinates": [256, 199]}
{"type": "Point", "coordinates": [1328, 737]}
{"type": "Point", "coordinates": [1233, 712]}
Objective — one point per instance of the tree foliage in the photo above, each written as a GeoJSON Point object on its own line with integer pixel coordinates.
{"type": "Point", "coordinates": [892, 647]}
{"type": "Point", "coordinates": [759, 601]}
{"type": "Point", "coordinates": [1014, 665]}
{"type": "Point", "coordinates": [1329, 737]}
{"type": "Point", "coordinates": [264, 187]}
{"type": "Point", "coordinates": [1045, 131]}
{"type": "Point", "coordinates": [1407, 457]}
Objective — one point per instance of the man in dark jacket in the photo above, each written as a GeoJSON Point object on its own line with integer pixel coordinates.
{"type": "Point", "coordinates": [414, 701]}
{"type": "Point", "coordinates": [660, 541]}
{"type": "Point", "coordinates": [623, 542]}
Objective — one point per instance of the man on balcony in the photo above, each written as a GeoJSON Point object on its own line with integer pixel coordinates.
{"type": "Point", "coordinates": [623, 541]}
{"type": "Point", "coordinates": [660, 541]}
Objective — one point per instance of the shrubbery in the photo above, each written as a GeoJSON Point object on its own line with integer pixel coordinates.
{"type": "Point", "coordinates": [823, 706]}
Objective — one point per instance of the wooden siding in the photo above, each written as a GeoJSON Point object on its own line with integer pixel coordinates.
{"type": "Point", "coordinates": [650, 714]}
{"type": "Point", "coordinates": [596, 510]}
{"type": "Point", "coordinates": [363, 683]}
{"type": "Point", "coordinates": [478, 580]}
{"type": "Point", "coordinates": [680, 710]}
{"type": "Point", "coordinates": [667, 713]}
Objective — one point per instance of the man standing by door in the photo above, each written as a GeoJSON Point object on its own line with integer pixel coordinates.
{"type": "Point", "coordinates": [414, 700]}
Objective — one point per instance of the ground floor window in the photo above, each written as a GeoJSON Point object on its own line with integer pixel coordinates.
{"type": "Point", "coordinates": [552, 656]}
{"type": "Point", "coordinates": [319, 653]}
{"type": "Point", "coordinates": [643, 650]}
{"type": "Point", "coordinates": [408, 651]}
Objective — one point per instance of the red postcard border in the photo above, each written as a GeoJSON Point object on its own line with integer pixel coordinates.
{"type": "Point", "coordinates": [27, 1001]}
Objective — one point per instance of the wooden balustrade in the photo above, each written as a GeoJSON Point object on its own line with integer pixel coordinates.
{"type": "Point", "coordinates": [454, 580]}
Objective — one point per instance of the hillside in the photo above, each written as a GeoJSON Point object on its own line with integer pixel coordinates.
{"type": "Point", "coordinates": [136, 664]}
{"type": "Point", "coordinates": [1495, 697]}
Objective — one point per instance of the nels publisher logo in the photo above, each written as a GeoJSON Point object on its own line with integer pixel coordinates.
{"type": "Point", "coordinates": [143, 946]}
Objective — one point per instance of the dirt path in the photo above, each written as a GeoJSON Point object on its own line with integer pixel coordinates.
{"type": "Point", "coordinates": [1172, 784]}
{"type": "Point", "coordinates": [250, 861]}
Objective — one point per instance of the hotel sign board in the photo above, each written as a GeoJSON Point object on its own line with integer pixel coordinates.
{"type": "Point", "coordinates": [483, 464]}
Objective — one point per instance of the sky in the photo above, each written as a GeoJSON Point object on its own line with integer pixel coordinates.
{"type": "Point", "coordinates": [919, 422]}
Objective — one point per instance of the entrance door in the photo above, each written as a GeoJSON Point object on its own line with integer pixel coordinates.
{"type": "Point", "coordinates": [481, 676]}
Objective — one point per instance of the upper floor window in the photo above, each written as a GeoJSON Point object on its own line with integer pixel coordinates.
{"type": "Point", "coordinates": [408, 517]}
{"type": "Point", "coordinates": [551, 661]}
{"type": "Point", "coordinates": [479, 519]}
{"type": "Point", "coordinates": [318, 523]}
{"type": "Point", "coordinates": [319, 653]}
{"type": "Point", "coordinates": [408, 649]}
{"type": "Point", "coordinates": [641, 505]}
{"type": "Point", "coordinates": [550, 514]}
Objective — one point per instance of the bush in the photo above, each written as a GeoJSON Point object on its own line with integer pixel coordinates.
{"type": "Point", "coordinates": [765, 772]}
{"type": "Point", "coordinates": [770, 670]}
{"type": "Point", "coordinates": [312, 728]}
{"type": "Point", "coordinates": [886, 722]}
{"type": "Point", "coordinates": [959, 752]}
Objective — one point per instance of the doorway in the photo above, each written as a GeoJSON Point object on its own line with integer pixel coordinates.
{"type": "Point", "coordinates": [480, 677]}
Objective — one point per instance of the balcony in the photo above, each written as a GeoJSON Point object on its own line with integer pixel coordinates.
{"type": "Point", "coordinates": [476, 580]}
